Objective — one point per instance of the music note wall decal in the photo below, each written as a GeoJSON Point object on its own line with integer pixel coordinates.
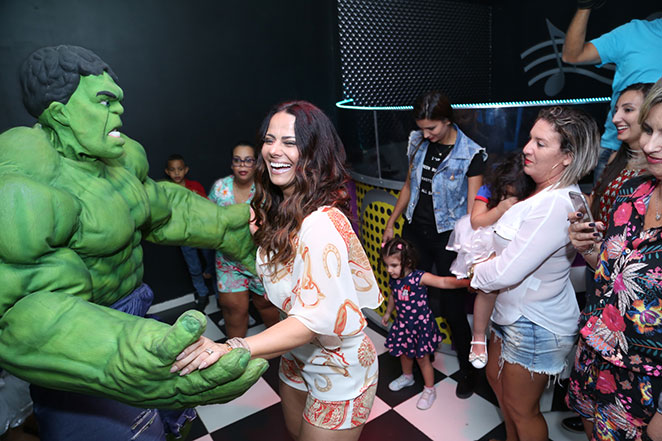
{"type": "Point", "coordinates": [556, 76]}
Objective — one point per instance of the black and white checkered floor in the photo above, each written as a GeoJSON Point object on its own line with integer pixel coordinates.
{"type": "Point", "coordinates": [257, 414]}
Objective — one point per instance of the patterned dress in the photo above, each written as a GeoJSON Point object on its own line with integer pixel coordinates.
{"type": "Point", "coordinates": [609, 196]}
{"type": "Point", "coordinates": [325, 287]}
{"type": "Point", "coordinates": [231, 276]}
{"type": "Point", "coordinates": [414, 332]}
{"type": "Point", "coordinates": [617, 374]}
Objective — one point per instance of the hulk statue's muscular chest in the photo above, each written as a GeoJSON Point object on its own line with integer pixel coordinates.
{"type": "Point", "coordinates": [113, 207]}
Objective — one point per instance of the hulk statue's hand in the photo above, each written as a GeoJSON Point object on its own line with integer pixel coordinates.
{"type": "Point", "coordinates": [126, 357]}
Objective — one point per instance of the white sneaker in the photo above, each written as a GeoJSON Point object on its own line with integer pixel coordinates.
{"type": "Point", "coordinates": [427, 398]}
{"type": "Point", "coordinates": [401, 382]}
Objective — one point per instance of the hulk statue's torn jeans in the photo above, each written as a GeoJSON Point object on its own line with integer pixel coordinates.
{"type": "Point", "coordinates": [69, 416]}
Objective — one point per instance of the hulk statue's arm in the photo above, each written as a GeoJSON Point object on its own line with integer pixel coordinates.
{"type": "Point", "coordinates": [52, 336]}
{"type": "Point", "coordinates": [182, 217]}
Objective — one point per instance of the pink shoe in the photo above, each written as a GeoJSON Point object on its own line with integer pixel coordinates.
{"type": "Point", "coordinates": [478, 361]}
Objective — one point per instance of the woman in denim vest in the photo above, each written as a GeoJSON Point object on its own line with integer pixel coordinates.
{"type": "Point", "coordinates": [445, 172]}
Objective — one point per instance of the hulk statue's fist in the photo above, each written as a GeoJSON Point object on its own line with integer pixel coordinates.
{"type": "Point", "coordinates": [135, 353]}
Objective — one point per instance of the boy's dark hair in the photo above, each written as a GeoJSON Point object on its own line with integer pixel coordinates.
{"type": "Point", "coordinates": [508, 172]}
{"type": "Point", "coordinates": [398, 245]}
{"type": "Point", "coordinates": [175, 157]}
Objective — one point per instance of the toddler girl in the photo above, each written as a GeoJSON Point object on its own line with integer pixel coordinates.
{"type": "Point", "coordinates": [414, 333]}
{"type": "Point", "coordinates": [472, 238]}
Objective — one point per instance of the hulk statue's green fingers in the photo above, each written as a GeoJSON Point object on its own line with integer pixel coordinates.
{"type": "Point", "coordinates": [228, 378]}
{"type": "Point", "coordinates": [188, 327]}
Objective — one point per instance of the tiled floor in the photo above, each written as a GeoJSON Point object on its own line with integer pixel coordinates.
{"type": "Point", "coordinates": [257, 414]}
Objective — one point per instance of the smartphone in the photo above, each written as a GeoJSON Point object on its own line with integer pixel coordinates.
{"type": "Point", "coordinates": [580, 204]}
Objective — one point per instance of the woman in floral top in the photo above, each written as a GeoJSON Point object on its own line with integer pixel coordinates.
{"type": "Point", "coordinates": [617, 375]}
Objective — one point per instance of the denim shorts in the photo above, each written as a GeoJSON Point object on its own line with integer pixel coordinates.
{"type": "Point", "coordinates": [533, 347]}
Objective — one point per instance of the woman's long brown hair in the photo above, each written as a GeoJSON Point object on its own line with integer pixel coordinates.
{"type": "Point", "coordinates": [320, 179]}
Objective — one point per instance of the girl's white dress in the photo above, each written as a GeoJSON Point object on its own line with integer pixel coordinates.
{"type": "Point", "coordinates": [472, 246]}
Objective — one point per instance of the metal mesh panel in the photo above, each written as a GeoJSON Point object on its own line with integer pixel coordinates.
{"type": "Point", "coordinates": [393, 50]}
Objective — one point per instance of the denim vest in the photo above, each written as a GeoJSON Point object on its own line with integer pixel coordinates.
{"type": "Point", "coordinates": [450, 184]}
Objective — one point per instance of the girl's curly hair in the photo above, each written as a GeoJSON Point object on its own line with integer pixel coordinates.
{"type": "Point", "coordinates": [406, 250]}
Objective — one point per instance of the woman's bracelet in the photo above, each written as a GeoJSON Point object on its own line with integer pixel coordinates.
{"type": "Point", "coordinates": [589, 251]}
{"type": "Point", "coordinates": [238, 343]}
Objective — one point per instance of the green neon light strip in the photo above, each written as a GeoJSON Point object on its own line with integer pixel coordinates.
{"type": "Point", "coordinates": [345, 104]}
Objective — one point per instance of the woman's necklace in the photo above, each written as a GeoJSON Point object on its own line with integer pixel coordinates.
{"type": "Point", "coordinates": [658, 215]}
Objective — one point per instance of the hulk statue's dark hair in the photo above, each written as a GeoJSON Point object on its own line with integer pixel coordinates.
{"type": "Point", "coordinates": [53, 73]}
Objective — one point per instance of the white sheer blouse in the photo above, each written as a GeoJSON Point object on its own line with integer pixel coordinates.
{"type": "Point", "coordinates": [532, 267]}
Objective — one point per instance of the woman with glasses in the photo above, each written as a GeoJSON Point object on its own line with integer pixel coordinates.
{"type": "Point", "coordinates": [235, 285]}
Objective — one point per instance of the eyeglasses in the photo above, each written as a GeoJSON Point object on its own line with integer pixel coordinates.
{"type": "Point", "coordinates": [246, 162]}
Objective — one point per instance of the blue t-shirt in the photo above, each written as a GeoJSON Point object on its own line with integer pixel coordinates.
{"type": "Point", "coordinates": [483, 194]}
{"type": "Point", "coordinates": [635, 49]}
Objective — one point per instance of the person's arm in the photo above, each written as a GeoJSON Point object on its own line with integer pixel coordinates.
{"type": "Point", "coordinates": [443, 282]}
{"type": "Point", "coordinates": [400, 205]}
{"type": "Point", "coordinates": [575, 48]}
{"type": "Point", "coordinates": [481, 216]}
{"type": "Point", "coordinates": [654, 430]}
{"type": "Point", "coordinates": [474, 183]}
{"type": "Point", "coordinates": [389, 309]}
{"type": "Point", "coordinates": [540, 234]}
{"type": "Point", "coordinates": [270, 343]}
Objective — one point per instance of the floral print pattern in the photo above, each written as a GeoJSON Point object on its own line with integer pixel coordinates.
{"type": "Point", "coordinates": [617, 375]}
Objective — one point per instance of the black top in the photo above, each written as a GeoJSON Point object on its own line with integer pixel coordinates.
{"type": "Point", "coordinates": [436, 153]}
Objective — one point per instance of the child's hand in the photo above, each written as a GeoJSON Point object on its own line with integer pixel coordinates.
{"type": "Point", "coordinates": [505, 204]}
{"type": "Point", "coordinates": [385, 319]}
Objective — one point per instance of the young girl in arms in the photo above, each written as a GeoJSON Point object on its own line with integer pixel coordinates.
{"type": "Point", "coordinates": [414, 334]}
{"type": "Point", "coordinates": [472, 238]}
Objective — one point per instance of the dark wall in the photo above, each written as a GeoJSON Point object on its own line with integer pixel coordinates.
{"type": "Point", "coordinates": [520, 25]}
{"type": "Point", "coordinates": [197, 76]}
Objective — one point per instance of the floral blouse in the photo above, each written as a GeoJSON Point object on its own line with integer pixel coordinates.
{"type": "Point", "coordinates": [622, 319]}
{"type": "Point", "coordinates": [610, 193]}
{"type": "Point", "coordinates": [325, 287]}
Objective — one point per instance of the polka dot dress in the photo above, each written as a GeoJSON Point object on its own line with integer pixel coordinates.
{"type": "Point", "coordinates": [414, 332]}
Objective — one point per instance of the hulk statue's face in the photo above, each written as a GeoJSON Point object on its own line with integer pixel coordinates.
{"type": "Point", "coordinates": [92, 116]}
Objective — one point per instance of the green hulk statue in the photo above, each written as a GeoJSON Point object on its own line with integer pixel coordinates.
{"type": "Point", "coordinates": [75, 202]}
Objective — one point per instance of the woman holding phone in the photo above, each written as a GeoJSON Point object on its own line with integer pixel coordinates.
{"type": "Point", "coordinates": [617, 375]}
{"type": "Point", "coordinates": [534, 322]}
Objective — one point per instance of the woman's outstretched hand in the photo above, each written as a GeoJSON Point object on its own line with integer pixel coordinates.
{"type": "Point", "coordinates": [199, 355]}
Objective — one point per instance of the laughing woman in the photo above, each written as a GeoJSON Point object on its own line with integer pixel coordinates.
{"type": "Point", "coordinates": [316, 272]}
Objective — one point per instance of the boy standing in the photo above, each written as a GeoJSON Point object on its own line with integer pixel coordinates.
{"type": "Point", "coordinates": [176, 170]}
